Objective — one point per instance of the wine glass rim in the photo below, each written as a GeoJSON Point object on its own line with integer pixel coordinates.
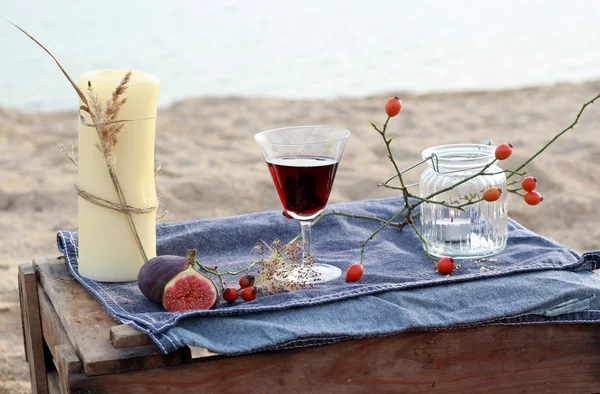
{"type": "Point", "coordinates": [346, 134]}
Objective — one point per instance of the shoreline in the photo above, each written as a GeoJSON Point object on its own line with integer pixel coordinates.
{"type": "Point", "coordinates": [400, 93]}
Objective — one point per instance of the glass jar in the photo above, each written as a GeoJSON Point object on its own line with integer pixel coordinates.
{"type": "Point", "coordinates": [476, 231]}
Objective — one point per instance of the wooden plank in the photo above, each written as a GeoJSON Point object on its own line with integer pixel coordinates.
{"type": "Point", "coordinates": [53, 332]}
{"type": "Point", "coordinates": [23, 318]}
{"type": "Point", "coordinates": [492, 359]}
{"type": "Point", "coordinates": [52, 381]}
{"type": "Point", "coordinates": [67, 360]}
{"type": "Point", "coordinates": [67, 364]}
{"type": "Point", "coordinates": [56, 338]}
{"type": "Point", "coordinates": [87, 326]}
{"type": "Point", "coordinates": [124, 335]}
{"type": "Point", "coordinates": [32, 329]}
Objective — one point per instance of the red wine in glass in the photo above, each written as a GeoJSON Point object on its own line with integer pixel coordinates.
{"type": "Point", "coordinates": [303, 182]}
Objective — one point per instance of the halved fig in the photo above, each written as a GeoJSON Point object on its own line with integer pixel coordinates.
{"type": "Point", "coordinates": [174, 282]}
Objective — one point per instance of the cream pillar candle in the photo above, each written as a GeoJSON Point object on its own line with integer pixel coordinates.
{"type": "Point", "coordinates": [108, 251]}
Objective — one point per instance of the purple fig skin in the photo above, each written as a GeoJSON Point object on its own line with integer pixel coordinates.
{"type": "Point", "coordinates": [157, 272]}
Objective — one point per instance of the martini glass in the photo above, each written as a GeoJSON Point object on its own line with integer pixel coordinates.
{"type": "Point", "coordinates": [303, 161]}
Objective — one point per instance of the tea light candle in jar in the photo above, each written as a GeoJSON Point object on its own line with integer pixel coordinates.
{"type": "Point", "coordinates": [454, 229]}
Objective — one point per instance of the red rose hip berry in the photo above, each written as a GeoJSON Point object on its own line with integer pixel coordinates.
{"type": "Point", "coordinates": [230, 294]}
{"type": "Point", "coordinates": [503, 151]}
{"type": "Point", "coordinates": [393, 106]}
{"type": "Point", "coordinates": [354, 273]}
{"type": "Point", "coordinates": [492, 194]}
{"type": "Point", "coordinates": [445, 265]}
{"type": "Point", "coordinates": [533, 198]}
{"type": "Point", "coordinates": [246, 280]}
{"type": "Point", "coordinates": [529, 184]}
{"type": "Point", "coordinates": [249, 293]}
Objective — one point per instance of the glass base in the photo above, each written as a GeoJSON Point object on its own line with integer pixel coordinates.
{"type": "Point", "coordinates": [464, 251]}
{"type": "Point", "coordinates": [319, 273]}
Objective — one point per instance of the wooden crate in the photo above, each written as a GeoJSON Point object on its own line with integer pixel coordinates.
{"type": "Point", "coordinates": [72, 345]}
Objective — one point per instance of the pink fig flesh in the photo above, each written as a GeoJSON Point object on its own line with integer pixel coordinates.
{"type": "Point", "coordinates": [190, 290]}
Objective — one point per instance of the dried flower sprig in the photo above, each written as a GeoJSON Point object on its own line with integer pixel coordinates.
{"type": "Point", "coordinates": [284, 268]}
{"type": "Point", "coordinates": [105, 116]}
{"type": "Point", "coordinates": [281, 268]}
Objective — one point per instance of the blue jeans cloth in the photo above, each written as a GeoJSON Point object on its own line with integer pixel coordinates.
{"type": "Point", "coordinates": [400, 290]}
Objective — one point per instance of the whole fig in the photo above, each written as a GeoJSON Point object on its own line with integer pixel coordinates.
{"type": "Point", "coordinates": [174, 282]}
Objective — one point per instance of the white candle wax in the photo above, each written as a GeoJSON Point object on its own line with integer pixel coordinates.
{"type": "Point", "coordinates": [453, 230]}
{"type": "Point", "coordinates": [107, 248]}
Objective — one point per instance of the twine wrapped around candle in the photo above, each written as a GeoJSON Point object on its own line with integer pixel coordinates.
{"type": "Point", "coordinates": [112, 205]}
{"type": "Point", "coordinates": [70, 155]}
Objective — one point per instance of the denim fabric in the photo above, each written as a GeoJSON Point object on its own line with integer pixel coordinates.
{"type": "Point", "coordinates": [464, 304]}
{"type": "Point", "coordinates": [394, 261]}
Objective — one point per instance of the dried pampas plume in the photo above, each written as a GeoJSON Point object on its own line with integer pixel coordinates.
{"type": "Point", "coordinates": [104, 117]}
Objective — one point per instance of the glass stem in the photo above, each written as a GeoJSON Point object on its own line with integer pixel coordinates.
{"type": "Point", "coordinates": [306, 244]}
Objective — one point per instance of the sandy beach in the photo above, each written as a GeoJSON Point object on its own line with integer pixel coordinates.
{"type": "Point", "coordinates": [211, 167]}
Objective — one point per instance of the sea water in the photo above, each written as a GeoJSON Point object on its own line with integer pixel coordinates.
{"type": "Point", "coordinates": [297, 49]}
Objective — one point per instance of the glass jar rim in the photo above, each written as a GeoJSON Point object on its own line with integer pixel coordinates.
{"type": "Point", "coordinates": [459, 156]}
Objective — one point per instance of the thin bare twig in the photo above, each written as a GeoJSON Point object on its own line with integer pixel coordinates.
{"type": "Point", "coordinates": [570, 127]}
{"type": "Point", "coordinates": [410, 207]}
{"type": "Point", "coordinates": [70, 155]}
